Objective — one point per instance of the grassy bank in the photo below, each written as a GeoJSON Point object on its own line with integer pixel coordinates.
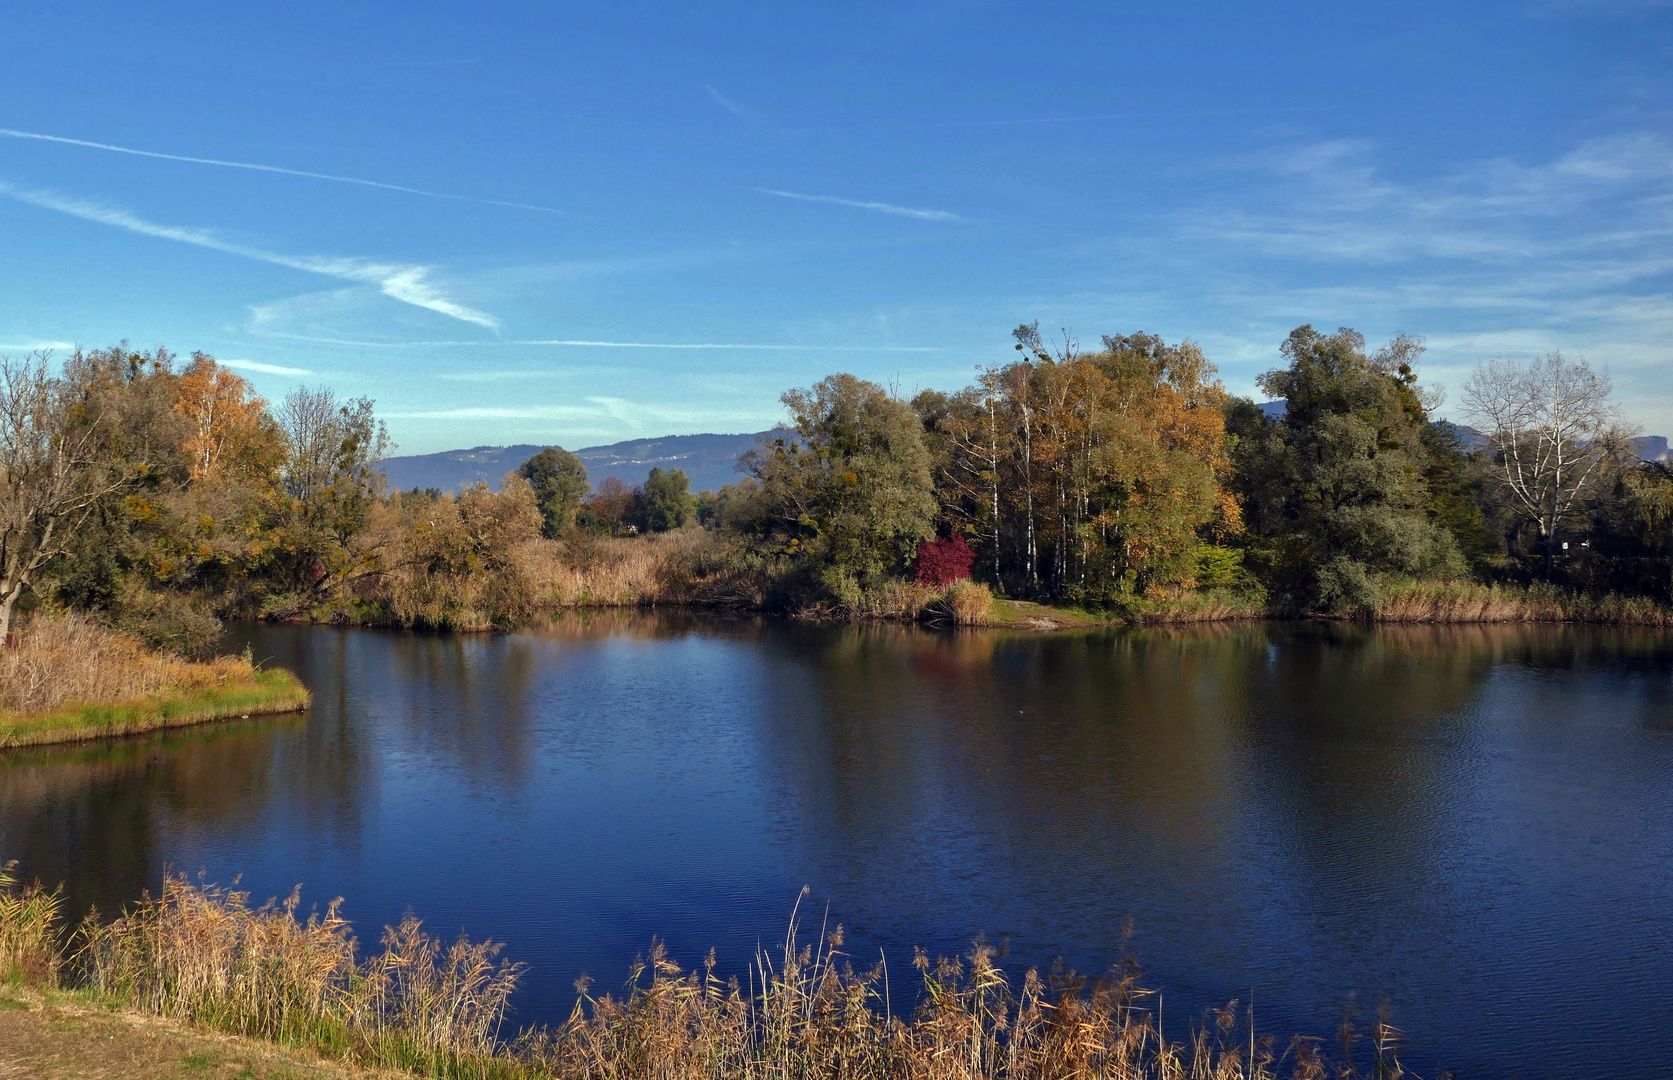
{"type": "Point", "coordinates": [262, 692]}
{"type": "Point", "coordinates": [68, 679]}
{"type": "Point", "coordinates": [56, 1035]}
{"type": "Point", "coordinates": [206, 958]}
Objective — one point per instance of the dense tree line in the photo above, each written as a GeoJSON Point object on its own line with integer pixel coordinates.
{"type": "Point", "coordinates": [1127, 473]}
{"type": "Point", "coordinates": [167, 495]}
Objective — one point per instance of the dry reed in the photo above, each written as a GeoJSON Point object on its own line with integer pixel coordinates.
{"type": "Point", "coordinates": [29, 920]}
{"type": "Point", "coordinates": [1467, 602]}
{"type": "Point", "coordinates": [969, 603]}
{"type": "Point", "coordinates": [204, 955]}
{"type": "Point", "coordinates": [69, 659]}
{"type": "Point", "coordinates": [620, 572]}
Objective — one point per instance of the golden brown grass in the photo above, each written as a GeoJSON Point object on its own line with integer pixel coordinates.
{"type": "Point", "coordinates": [643, 571]}
{"type": "Point", "coordinates": [29, 917]}
{"type": "Point", "coordinates": [53, 1035]}
{"type": "Point", "coordinates": [69, 659]}
{"type": "Point", "coordinates": [69, 679]}
{"type": "Point", "coordinates": [1467, 602]}
{"type": "Point", "coordinates": [969, 603]}
{"type": "Point", "coordinates": [204, 955]}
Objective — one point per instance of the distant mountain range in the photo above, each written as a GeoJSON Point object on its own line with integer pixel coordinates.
{"type": "Point", "coordinates": [1647, 447]}
{"type": "Point", "coordinates": [710, 460]}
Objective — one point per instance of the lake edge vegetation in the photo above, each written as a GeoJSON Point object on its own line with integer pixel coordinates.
{"type": "Point", "coordinates": [70, 680]}
{"type": "Point", "coordinates": [1067, 487]}
{"type": "Point", "coordinates": [205, 956]}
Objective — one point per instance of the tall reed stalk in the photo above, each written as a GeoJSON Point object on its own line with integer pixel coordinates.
{"type": "Point", "coordinates": [203, 954]}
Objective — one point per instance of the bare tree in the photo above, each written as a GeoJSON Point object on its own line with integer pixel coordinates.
{"type": "Point", "coordinates": [309, 419]}
{"type": "Point", "coordinates": [54, 471]}
{"type": "Point", "coordinates": [1550, 427]}
{"type": "Point", "coordinates": [331, 475]}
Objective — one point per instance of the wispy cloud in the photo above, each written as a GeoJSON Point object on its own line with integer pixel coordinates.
{"type": "Point", "coordinates": [725, 102]}
{"type": "Point", "coordinates": [34, 346]}
{"type": "Point", "coordinates": [631, 414]}
{"type": "Point", "coordinates": [266, 369]}
{"type": "Point", "coordinates": [593, 343]}
{"type": "Point", "coordinates": [1571, 252]}
{"type": "Point", "coordinates": [1329, 202]}
{"type": "Point", "coordinates": [499, 412]}
{"type": "Point", "coordinates": [253, 167]}
{"type": "Point", "coordinates": [406, 282]}
{"type": "Point", "coordinates": [877, 207]}
{"type": "Point", "coordinates": [567, 372]}
{"type": "Point", "coordinates": [725, 345]}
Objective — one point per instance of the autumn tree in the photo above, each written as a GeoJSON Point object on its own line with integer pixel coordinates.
{"type": "Point", "coordinates": [64, 453]}
{"type": "Point", "coordinates": [454, 561]}
{"type": "Point", "coordinates": [331, 480]}
{"type": "Point", "coordinates": [230, 427]}
{"type": "Point", "coordinates": [613, 508]}
{"type": "Point", "coordinates": [1088, 475]}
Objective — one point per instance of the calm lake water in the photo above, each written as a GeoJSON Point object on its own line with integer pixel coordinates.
{"type": "Point", "coordinates": [1472, 824]}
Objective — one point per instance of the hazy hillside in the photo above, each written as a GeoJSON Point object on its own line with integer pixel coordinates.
{"type": "Point", "coordinates": [1647, 447]}
{"type": "Point", "coordinates": [710, 461]}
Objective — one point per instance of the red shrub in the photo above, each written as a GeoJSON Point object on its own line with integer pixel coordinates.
{"type": "Point", "coordinates": [943, 561]}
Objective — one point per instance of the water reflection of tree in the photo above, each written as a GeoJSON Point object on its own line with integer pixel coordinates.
{"type": "Point", "coordinates": [101, 818]}
{"type": "Point", "coordinates": [1241, 788]}
{"type": "Point", "coordinates": [973, 774]}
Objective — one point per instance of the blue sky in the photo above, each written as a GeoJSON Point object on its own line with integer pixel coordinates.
{"type": "Point", "coordinates": [582, 223]}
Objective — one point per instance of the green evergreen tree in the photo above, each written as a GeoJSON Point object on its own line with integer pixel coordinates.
{"type": "Point", "coordinates": [559, 481]}
{"type": "Point", "coordinates": [668, 501]}
{"type": "Point", "coordinates": [1335, 492]}
{"type": "Point", "coordinates": [850, 488]}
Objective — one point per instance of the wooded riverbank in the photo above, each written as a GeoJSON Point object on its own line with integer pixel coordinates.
{"type": "Point", "coordinates": [1123, 484]}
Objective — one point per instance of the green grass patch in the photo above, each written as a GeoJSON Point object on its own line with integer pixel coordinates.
{"type": "Point", "coordinates": [271, 691]}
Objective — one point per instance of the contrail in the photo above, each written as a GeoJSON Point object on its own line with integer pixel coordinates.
{"type": "Point", "coordinates": [879, 207]}
{"type": "Point", "coordinates": [725, 345]}
{"type": "Point", "coordinates": [611, 345]}
{"type": "Point", "coordinates": [725, 102]}
{"type": "Point", "coordinates": [269, 369]}
{"type": "Point", "coordinates": [407, 282]}
{"type": "Point", "coordinates": [14, 134]}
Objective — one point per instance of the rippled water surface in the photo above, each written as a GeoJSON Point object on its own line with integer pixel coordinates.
{"type": "Point", "coordinates": [1474, 825]}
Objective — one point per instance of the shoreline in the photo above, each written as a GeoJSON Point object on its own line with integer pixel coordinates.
{"type": "Point", "coordinates": [62, 1035]}
{"type": "Point", "coordinates": [268, 692]}
{"type": "Point", "coordinates": [1033, 616]}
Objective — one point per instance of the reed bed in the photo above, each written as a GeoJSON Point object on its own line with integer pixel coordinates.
{"type": "Point", "coordinates": [206, 956]}
{"type": "Point", "coordinates": [1468, 602]}
{"type": "Point", "coordinates": [621, 572]}
{"type": "Point", "coordinates": [1199, 606]}
{"type": "Point", "coordinates": [69, 659]}
{"type": "Point", "coordinates": [68, 679]}
{"type": "Point", "coordinates": [969, 603]}
{"type": "Point", "coordinates": [29, 922]}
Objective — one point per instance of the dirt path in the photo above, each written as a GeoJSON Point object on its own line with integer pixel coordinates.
{"type": "Point", "coordinates": [65, 1040]}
